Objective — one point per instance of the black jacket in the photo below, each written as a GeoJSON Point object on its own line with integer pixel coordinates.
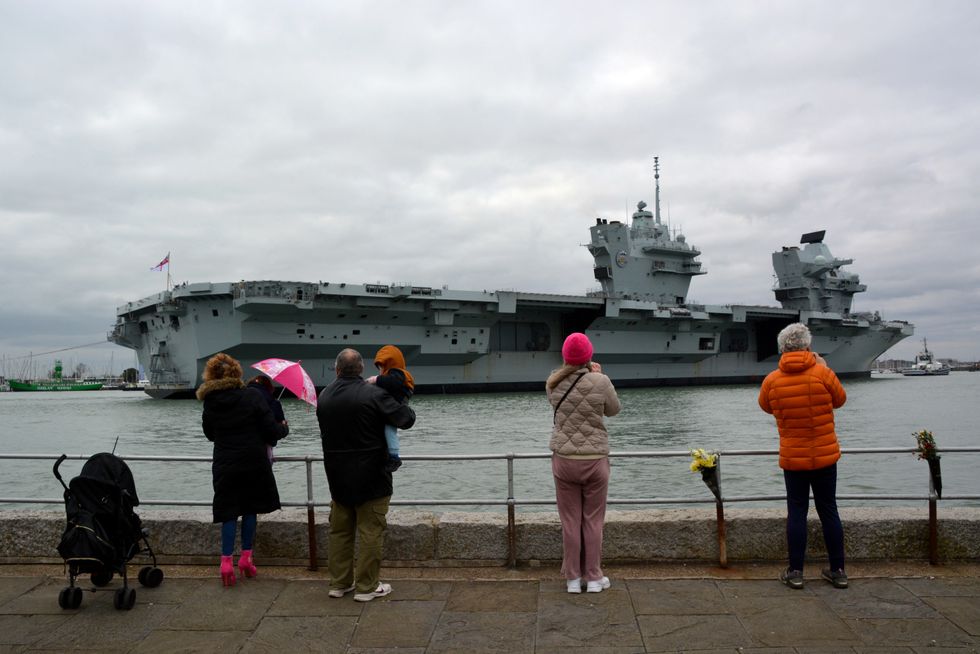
{"type": "Point", "coordinates": [352, 416]}
{"type": "Point", "coordinates": [270, 399]}
{"type": "Point", "coordinates": [394, 383]}
{"type": "Point", "coordinates": [239, 422]}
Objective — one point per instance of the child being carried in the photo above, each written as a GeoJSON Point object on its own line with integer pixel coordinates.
{"type": "Point", "coordinates": [394, 378]}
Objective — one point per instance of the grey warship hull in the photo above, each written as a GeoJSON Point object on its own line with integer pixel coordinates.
{"type": "Point", "coordinates": [644, 331]}
{"type": "Point", "coordinates": [457, 342]}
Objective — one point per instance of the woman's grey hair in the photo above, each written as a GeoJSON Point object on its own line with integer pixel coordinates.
{"type": "Point", "coordinates": [794, 338]}
{"type": "Point", "coordinates": [349, 363]}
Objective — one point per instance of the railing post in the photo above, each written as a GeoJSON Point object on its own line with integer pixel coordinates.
{"type": "Point", "coordinates": [933, 525]}
{"type": "Point", "coordinates": [310, 516]}
{"type": "Point", "coordinates": [511, 520]}
{"type": "Point", "coordinates": [720, 520]}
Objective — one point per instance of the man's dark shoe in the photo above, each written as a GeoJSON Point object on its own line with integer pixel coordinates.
{"type": "Point", "coordinates": [792, 578]}
{"type": "Point", "coordinates": [837, 577]}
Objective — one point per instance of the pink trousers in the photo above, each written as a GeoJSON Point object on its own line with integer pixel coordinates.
{"type": "Point", "coordinates": [580, 488]}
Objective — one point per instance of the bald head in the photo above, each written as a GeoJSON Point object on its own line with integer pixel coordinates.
{"type": "Point", "coordinates": [349, 363]}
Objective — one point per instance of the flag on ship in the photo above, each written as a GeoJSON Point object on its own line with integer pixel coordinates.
{"type": "Point", "coordinates": [165, 262]}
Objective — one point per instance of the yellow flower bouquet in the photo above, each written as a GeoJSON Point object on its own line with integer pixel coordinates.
{"type": "Point", "coordinates": [706, 463]}
{"type": "Point", "coordinates": [701, 459]}
{"type": "Point", "coordinates": [926, 449]}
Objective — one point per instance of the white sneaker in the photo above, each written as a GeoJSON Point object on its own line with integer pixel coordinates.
{"type": "Point", "coordinates": [380, 591]}
{"type": "Point", "coordinates": [340, 592]}
{"type": "Point", "coordinates": [574, 585]}
{"type": "Point", "coordinates": [597, 586]}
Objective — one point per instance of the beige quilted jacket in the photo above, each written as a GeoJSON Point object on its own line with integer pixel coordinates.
{"type": "Point", "coordinates": [579, 426]}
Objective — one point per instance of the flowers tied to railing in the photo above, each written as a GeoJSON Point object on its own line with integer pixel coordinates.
{"type": "Point", "coordinates": [707, 464]}
{"type": "Point", "coordinates": [926, 449]}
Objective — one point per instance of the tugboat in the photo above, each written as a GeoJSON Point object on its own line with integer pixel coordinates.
{"type": "Point", "coordinates": [925, 364]}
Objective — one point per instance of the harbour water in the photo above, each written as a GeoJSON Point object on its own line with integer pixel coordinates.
{"type": "Point", "coordinates": [882, 411]}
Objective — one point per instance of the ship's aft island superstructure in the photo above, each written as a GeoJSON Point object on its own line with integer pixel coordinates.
{"type": "Point", "coordinates": [643, 327]}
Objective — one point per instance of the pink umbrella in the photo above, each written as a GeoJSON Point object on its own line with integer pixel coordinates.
{"type": "Point", "coordinates": [290, 375]}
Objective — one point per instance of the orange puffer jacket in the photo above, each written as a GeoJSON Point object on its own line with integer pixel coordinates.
{"type": "Point", "coordinates": [802, 395]}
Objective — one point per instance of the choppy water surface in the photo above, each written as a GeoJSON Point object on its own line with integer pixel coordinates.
{"type": "Point", "coordinates": [880, 412]}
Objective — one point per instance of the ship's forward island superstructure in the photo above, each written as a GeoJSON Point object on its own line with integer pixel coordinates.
{"type": "Point", "coordinates": [644, 329]}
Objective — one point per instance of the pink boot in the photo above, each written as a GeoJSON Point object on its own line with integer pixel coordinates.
{"type": "Point", "coordinates": [227, 571]}
{"type": "Point", "coordinates": [245, 564]}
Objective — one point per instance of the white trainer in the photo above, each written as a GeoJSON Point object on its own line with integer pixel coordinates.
{"type": "Point", "coordinates": [380, 591]}
{"type": "Point", "coordinates": [340, 592]}
{"type": "Point", "coordinates": [597, 586]}
{"type": "Point", "coordinates": [574, 585]}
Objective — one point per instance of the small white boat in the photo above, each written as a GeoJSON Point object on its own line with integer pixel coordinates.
{"type": "Point", "coordinates": [925, 364]}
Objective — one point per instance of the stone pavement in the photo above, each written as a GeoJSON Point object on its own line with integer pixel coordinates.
{"type": "Point", "coordinates": [907, 608]}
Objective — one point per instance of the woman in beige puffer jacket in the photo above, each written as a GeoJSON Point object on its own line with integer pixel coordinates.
{"type": "Point", "coordinates": [581, 396]}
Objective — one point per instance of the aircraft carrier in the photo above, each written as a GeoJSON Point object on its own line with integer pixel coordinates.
{"type": "Point", "coordinates": [644, 329]}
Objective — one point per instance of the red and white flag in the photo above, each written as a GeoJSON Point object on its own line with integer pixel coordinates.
{"type": "Point", "coordinates": [165, 262]}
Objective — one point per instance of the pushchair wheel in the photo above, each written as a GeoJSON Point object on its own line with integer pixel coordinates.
{"type": "Point", "coordinates": [124, 598]}
{"type": "Point", "coordinates": [101, 578]}
{"type": "Point", "coordinates": [150, 577]}
{"type": "Point", "coordinates": [70, 598]}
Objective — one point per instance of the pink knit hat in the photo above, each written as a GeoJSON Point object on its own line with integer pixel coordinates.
{"type": "Point", "coordinates": [577, 349]}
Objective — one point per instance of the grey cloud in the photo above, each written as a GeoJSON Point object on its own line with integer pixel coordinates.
{"type": "Point", "coordinates": [441, 142]}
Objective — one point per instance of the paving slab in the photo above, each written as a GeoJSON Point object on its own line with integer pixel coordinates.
{"type": "Point", "coordinates": [191, 642]}
{"type": "Point", "coordinates": [236, 608]}
{"type": "Point", "coordinates": [310, 599]}
{"type": "Point", "coordinates": [494, 596]}
{"type": "Point", "coordinates": [28, 629]}
{"type": "Point", "coordinates": [788, 620]}
{"type": "Point", "coordinates": [594, 649]}
{"type": "Point", "coordinates": [490, 610]}
{"type": "Point", "coordinates": [104, 628]}
{"type": "Point", "coordinates": [416, 589]}
{"type": "Point", "coordinates": [964, 612]}
{"type": "Point", "coordinates": [484, 632]}
{"type": "Point", "coordinates": [397, 623]}
{"type": "Point", "coordinates": [663, 633]}
{"type": "Point", "coordinates": [587, 619]}
{"type": "Point", "coordinates": [12, 588]}
{"type": "Point", "coordinates": [276, 634]}
{"type": "Point", "coordinates": [676, 597]}
{"type": "Point", "coordinates": [873, 598]}
{"type": "Point", "coordinates": [910, 632]}
{"type": "Point", "coordinates": [942, 586]}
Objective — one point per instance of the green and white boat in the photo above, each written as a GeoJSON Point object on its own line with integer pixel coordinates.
{"type": "Point", "coordinates": [56, 383]}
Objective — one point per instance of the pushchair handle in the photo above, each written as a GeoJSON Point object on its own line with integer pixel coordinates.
{"type": "Point", "coordinates": [57, 464]}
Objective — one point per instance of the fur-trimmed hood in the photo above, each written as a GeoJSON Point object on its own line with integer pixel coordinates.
{"type": "Point", "coordinates": [223, 384]}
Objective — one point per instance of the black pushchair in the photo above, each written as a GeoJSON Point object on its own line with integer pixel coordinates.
{"type": "Point", "coordinates": [103, 531]}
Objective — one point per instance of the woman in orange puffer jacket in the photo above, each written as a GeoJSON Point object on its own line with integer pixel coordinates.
{"type": "Point", "coordinates": [802, 394]}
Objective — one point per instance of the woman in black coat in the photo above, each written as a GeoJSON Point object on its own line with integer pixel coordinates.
{"type": "Point", "coordinates": [241, 425]}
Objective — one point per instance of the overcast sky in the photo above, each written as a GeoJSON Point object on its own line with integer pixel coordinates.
{"type": "Point", "coordinates": [474, 143]}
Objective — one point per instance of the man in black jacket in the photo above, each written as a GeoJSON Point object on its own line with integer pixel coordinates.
{"type": "Point", "coordinates": [352, 416]}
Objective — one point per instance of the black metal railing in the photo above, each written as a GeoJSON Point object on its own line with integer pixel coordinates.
{"type": "Point", "coordinates": [717, 497]}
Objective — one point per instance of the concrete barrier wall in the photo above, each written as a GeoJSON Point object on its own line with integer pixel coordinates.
{"type": "Point", "coordinates": [418, 538]}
